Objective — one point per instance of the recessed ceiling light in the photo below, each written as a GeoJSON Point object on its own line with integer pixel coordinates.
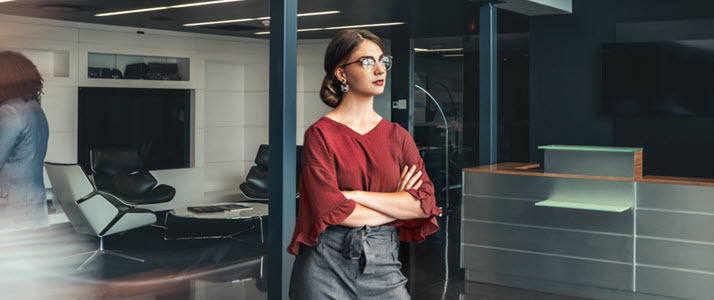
{"type": "Point", "coordinates": [438, 50]}
{"type": "Point", "coordinates": [163, 7]}
{"type": "Point", "coordinates": [308, 29]}
{"type": "Point", "coordinates": [261, 18]}
{"type": "Point", "coordinates": [202, 3]}
{"type": "Point", "coordinates": [319, 13]}
{"type": "Point", "coordinates": [1, 1]}
{"type": "Point", "coordinates": [132, 11]}
{"type": "Point", "coordinates": [340, 27]}
{"type": "Point", "coordinates": [366, 25]}
{"type": "Point", "coordinates": [227, 21]}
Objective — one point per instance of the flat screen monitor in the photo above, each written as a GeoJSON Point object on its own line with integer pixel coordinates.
{"type": "Point", "coordinates": [155, 122]}
{"type": "Point", "coordinates": [673, 78]}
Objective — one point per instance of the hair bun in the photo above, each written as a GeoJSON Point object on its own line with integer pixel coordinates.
{"type": "Point", "coordinates": [329, 93]}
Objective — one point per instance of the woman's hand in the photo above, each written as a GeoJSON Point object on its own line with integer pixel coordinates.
{"type": "Point", "coordinates": [408, 180]}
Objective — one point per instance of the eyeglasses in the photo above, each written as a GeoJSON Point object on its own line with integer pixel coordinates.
{"type": "Point", "coordinates": [369, 64]}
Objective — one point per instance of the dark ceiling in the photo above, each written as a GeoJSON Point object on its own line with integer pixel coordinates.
{"type": "Point", "coordinates": [423, 18]}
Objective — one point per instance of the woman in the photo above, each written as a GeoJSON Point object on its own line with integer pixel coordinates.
{"type": "Point", "coordinates": [23, 144]}
{"type": "Point", "coordinates": [362, 186]}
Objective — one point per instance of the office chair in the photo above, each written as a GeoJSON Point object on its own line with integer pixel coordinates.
{"type": "Point", "coordinates": [256, 184]}
{"type": "Point", "coordinates": [119, 174]}
{"type": "Point", "coordinates": [91, 212]}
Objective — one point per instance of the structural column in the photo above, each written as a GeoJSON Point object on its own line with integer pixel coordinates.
{"type": "Point", "coordinates": [488, 85]}
{"type": "Point", "coordinates": [282, 108]}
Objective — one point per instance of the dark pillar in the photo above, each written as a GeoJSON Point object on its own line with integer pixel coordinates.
{"type": "Point", "coordinates": [488, 85]}
{"type": "Point", "coordinates": [470, 142]}
{"type": "Point", "coordinates": [283, 94]}
{"type": "Point", "coordinates": [403, 81]}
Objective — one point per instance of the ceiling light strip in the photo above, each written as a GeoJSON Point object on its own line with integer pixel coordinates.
{"type": "Point", "coordinates": [365, 25]}
{"type": "Point", "coordinates": [340, 27]}
{"type": "Point", "coordinates": [438, 50]}
{"type": "Point", "coordinates": [223, 22]}
{"type": "Point", "coordinates": [132, 11]}
{"type": "Point", "coordinates": [163, 7]}
{"type": "Point", "coordinates": [202, 3]}
{"type": "Point", "coordinates": [319, 13]}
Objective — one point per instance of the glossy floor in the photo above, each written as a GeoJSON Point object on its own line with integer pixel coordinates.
{"type": "Point", "coordinates": [40, 264]}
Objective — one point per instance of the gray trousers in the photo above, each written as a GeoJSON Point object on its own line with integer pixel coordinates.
{"type": "Point", "coordinates": [350, 263]}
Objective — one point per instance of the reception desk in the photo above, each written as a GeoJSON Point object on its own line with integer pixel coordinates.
{"type": "Point", "coordinates": [588, 224]}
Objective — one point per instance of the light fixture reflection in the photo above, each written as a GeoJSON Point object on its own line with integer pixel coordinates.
{"type": "Point", "coordinates": [339, 27]}
{"type": "Point", "coordinates": [133, 11]}
{"type": "Point", "coordinates": [319, 13]}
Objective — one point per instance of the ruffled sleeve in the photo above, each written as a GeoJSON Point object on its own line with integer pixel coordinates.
{"type": "Point", "coordinates": [416, 230]}
{"type": "Point", "coordinates": [321, 202]}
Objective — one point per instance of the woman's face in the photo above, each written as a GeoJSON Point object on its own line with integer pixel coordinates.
{"type": "Point", "coordinates": [361, 81]}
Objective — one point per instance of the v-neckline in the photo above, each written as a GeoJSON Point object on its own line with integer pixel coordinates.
{"type": "Point", "coordinates": [355, 133]}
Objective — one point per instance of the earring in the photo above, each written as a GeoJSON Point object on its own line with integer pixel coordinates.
{"type": "Point", "coordinates": [344, 87]}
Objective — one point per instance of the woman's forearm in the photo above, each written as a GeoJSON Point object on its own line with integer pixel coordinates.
{"type": "Point", "coordinates": [366, 216]}
{"type": "Point", "coordinates": [400, 205]}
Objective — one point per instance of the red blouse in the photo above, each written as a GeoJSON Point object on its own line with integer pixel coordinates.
{"type": "Point", "coordinates": [336, 158]}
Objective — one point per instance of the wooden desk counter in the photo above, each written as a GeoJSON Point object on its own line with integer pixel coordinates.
{"type": "Point", "coordinates": [527, 228]}
{"type": "Point", "coordinates": [528, 169]}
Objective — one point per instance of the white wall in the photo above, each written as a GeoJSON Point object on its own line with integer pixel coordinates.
{"type": "Point", "coordinates": [229, 76]}
{"type": "Point", "coordinates": [231, 139]}
{"type": "Point", "coordinates": [231, 142]}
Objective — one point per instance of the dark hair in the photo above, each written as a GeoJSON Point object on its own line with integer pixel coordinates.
{"type": "Point", "coordinates": [339, 50]}
{"type": "Point", "coordinates": [19, 77]}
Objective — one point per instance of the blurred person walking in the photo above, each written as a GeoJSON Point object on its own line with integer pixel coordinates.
{"type": "Point", "coordinates": [23, 144]}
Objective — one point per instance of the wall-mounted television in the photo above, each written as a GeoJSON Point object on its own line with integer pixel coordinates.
{"type": "Point", "coordinates": [155, 122]}
{"type": "Point", "coordinates": [672, 78]}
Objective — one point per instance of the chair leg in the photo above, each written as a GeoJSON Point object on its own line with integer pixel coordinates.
{"type": "Point", "coordinates": [262, 239]}
{"type": "Point", "coordinates": [110, 252]}
{"type": "Point", "coordinates": [159, 226]}
{"type": "Point", "coordinates": [101, 250]}
{"type": "Point", "coordinates": [81, 253]}
{"type": "Point", "coordinates": [91, 258]}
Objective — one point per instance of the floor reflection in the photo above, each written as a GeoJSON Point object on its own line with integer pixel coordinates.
{"type": "Point", "coordinates": [43, 263]}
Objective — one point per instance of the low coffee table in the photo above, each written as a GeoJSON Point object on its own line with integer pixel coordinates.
{"type": "Point", "coordinates": [211, 225]}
